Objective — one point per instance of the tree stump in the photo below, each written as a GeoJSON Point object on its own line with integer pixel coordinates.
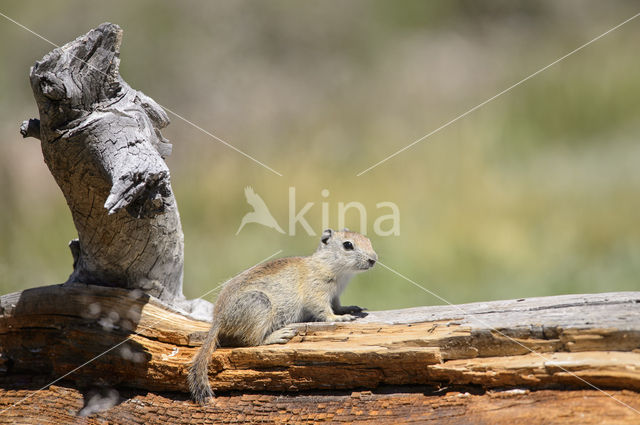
{"type": "Point", "coordinates": [102, 143]}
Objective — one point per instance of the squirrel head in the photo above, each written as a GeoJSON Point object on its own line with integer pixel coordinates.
{"type": "Point", "coordinates": [348, 251]}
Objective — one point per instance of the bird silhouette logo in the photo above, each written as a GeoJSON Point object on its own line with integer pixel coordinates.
{"type": "Point", "coordinates": [260, 213]}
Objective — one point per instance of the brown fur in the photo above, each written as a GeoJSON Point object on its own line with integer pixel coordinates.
{"type": "Point", "coordinates": [255, 307]}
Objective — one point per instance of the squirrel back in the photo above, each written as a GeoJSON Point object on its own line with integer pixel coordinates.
{"type": "Point", "coordinates": [255, 306]}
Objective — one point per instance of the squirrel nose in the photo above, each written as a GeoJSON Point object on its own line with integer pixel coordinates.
{"type": "Point", "coordinates": [371, 262]}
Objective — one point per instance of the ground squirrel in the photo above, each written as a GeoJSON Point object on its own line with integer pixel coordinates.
{"type": "Point", "coordinates": [254, 307]}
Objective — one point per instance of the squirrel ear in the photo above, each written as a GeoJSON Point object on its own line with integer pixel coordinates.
{"type": "Point", "coordinates": [326, 235]}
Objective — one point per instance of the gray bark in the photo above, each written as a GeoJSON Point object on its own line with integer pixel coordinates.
{"type": "Point", "coordinates": [102, 143]}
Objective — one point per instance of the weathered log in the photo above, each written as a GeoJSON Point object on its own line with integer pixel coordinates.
{"type": "Point", "coordinates": [102, 143]}
{"type": "Point", "coordinates": [391, 405]}
{"type": "Point", "coordinates": [578, 342]}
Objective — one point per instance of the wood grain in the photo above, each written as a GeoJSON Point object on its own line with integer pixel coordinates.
{"type": "Point", "coordinates": [102, 142]}
{"type": "Point", "coordinates": [415, 365]}
{"type": "Point", "coordinates": [393, 405]}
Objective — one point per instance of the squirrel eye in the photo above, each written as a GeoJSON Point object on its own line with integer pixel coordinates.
{"type": "Point", "coordinates": [348, 246]}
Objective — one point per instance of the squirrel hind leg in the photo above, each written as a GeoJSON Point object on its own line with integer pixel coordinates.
{"type": "Point", "coordinates": [280, 336]}
{"type": "Point", "coordinates": [249, 319]}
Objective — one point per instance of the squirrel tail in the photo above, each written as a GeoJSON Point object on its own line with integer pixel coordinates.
{"type": "Point", "coordinates": [199, 371]}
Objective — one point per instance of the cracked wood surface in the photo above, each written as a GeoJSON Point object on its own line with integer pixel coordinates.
{"type": "Point", "coordinates": [578, 340]}
{"type": "Point", "coordinates": [102, 143]}
{"type": "Point", "coordinates": [51, 330]}
{"type": "Point", "coordinates": [60, 404]}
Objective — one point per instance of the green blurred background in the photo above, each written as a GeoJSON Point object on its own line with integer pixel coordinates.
{"type": "Point", "coordinates": [537, 193]}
